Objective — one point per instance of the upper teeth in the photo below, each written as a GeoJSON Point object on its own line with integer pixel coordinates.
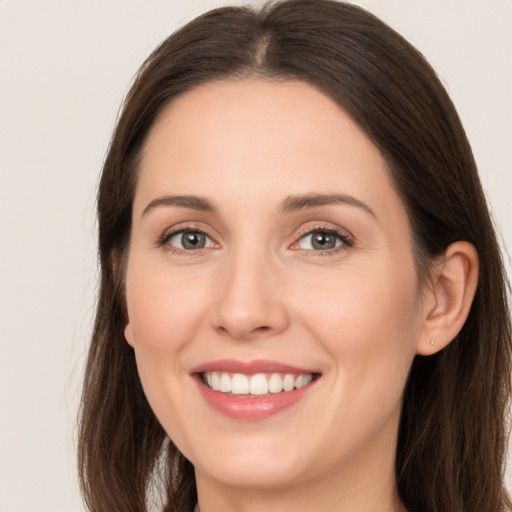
{"type": "Point", "coordinates": [258, 384]}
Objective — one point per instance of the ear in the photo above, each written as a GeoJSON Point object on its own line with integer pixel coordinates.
{"type": "Point", "coordinates": [118, 262]}
{"type": "Point", "coordinates": [453, 286]}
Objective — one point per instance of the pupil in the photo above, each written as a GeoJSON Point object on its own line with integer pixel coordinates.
{"type": "Point", "coordinates": [323, 241]}
{"type": "Point", "coordinates": [193, 240]}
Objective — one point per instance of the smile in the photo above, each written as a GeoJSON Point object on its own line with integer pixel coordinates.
{"type": "Point", "coordinates": [258, 384]}
{"type": "Point", "coordinates": [255, 390]}
{"type": "Point", "coordinates": [255, 385]}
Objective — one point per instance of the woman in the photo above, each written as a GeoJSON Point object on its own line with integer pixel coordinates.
{"type": "Point", "coordinates": [303, 304]}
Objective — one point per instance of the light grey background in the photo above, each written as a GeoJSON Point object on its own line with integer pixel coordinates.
{"type": "Point", "coordinates": [64, 69]}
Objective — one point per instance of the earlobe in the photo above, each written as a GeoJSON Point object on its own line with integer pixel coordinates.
{"type": "Point", "coordinates": [128, 334]}
{"type": "Point", "coordinates": [454, 283]}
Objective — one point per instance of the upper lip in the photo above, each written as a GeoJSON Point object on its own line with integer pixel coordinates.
{"type": "Point", "coordinates": [249, 367]}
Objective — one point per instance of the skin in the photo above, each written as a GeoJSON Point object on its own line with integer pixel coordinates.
{"type": "Point", "coordinates": [259, 290]}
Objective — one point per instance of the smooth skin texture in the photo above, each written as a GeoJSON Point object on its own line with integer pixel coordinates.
{"type": "Point", "coordinates": [260, 288]}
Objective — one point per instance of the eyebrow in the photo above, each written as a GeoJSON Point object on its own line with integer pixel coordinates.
{"type": "Point", "coordinates": [290, 204]}
{"type": "Point", "coordinates": [190, 202]}
{"type": "Point", "coordinates": [303, 202]}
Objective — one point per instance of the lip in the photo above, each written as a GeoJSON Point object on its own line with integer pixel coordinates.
{"type": "Point", "coordinates": [249, 367]}
{"type": "Point", "coordinates": [255, 407]}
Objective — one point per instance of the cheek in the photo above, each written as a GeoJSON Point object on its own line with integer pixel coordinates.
{"type": "Point", "coordinates": [368, 323]}
{"type": "Point", "coordinates": [163, 315]}
{"type": "Point", "coordinates": [163, 308]}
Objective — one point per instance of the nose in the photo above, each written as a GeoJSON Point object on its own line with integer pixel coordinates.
{"type": "Point", "coordinates": [252, 302]}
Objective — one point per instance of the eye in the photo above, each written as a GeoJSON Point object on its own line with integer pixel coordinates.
{"type": "Point", "coordinates": [322, 240]}
{"type": "Point", "coordinates": [189, 240]}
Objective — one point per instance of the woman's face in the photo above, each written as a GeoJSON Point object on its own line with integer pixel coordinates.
{"type": "Point", "coordinates": [269, 250]}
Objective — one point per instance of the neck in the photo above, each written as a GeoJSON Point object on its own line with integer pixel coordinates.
{"type": "Point", "coordinates": [355, 486]}
{"type": "Point", "coordinates": [305, 499]}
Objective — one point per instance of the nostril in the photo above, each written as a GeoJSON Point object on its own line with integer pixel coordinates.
{"type": "Point", "coordinates": [260, 330]}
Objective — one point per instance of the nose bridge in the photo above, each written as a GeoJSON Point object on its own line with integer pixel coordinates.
{"type": "Point", "coordinates": [249, 303]}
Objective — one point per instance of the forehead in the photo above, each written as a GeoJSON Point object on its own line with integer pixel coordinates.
{"type": "Point", "coordinates": [256, 139]}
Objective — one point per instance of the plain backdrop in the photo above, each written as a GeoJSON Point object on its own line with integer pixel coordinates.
{"type": "Point", "coordinates": [64, 69]}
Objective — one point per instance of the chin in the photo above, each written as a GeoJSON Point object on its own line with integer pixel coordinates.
{"type": "Point", "coordinates": [255, 464]}
{"type": "Point", "coordinates": [260, 474]}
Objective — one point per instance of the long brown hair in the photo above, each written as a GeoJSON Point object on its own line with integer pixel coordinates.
{"type": "Point", "coordinates": [453, 430]}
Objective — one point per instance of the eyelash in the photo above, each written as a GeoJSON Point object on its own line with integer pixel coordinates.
{"type": "Point", "coordinates": [347, 240]}
{"type": "Point", "coordinates": [163, 240]}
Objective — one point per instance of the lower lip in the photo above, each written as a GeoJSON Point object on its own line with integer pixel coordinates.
{"type": "Point", "coordinates": [251, 408]}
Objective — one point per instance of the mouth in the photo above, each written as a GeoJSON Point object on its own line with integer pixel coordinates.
{"type": "Point", "coordinates": [253, 390]}
{"type": "Point", "coordinates": [256, 385]}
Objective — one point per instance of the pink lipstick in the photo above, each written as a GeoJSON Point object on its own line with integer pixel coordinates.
{"type": "Point", "coordinates": [252, 390]}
